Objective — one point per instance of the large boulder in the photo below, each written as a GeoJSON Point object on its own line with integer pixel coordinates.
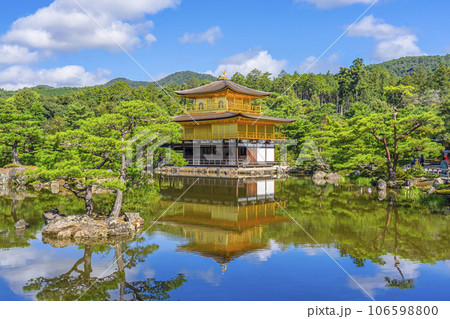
{"type": "Point", "coordinates": [51, 214]}
{"type": "Point", "coordinates": [84, 226]}
{"type": "Point", "coordinates": [381, 185]}
{"type": "Point", "coordinates": [437, 181]}
{"type": "Point", "coordinates": [432, 190]}
{"type": "Point", "coordinates": [319, 175]}
{"type": "Point", "coordinates": [318, 178]}
{"type": "Point", "coordinates": [409, 182]}
{"type": "Point", "coordinates": [118, 227]}
{"type": "Point", "coordinates": [16, 174]}
{"type": "Point", "coordinates": [54, 186]}
{"type": "Point", "coordinates": [382, 195]}
{"type": "Point", "coordinates": [135, 219]}
{"type": "Point", "coordinates": [74, 226]}
{"type": "Point", "coordinates": [4, 177]}
{"type": "Point", "coordinates": [333, 178]}
{"type": "Point", "coordinates": [21, 224]}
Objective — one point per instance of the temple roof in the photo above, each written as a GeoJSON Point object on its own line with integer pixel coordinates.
{"type": "Point", "coordinates": [227, 115]}
{"type": "Point", "coordinates": [220, 85]}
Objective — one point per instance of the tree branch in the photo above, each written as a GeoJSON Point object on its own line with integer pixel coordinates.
{"type": "Point", "coordinates": [410, 131]}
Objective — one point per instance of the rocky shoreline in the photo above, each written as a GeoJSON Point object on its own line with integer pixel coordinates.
{"type": "Point", "coordinates": [60, 226]}
{"type": "Point", "coordinates": [429, 185]}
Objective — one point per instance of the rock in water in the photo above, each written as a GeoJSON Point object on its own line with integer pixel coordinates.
{"type": "Point", "coordinates": [54, 186]}
{"type": "Point", "coordinates": [319, 175]}
{"type": "Point", "coordinates": [437, 181]}
{"type": "Point", "coordinates": [381, 195]}
{"type": "Point", "coordinates": [381, 185]}
{"type": "Point", "coordinates": [319, 178]}
{"type": "Point", "coordinates": [84, 226]}
{"type": "Point", "coordinates": [51, 214]}
{"type": "Point", "coordinates": [21, 224]}
{"type": "Point", "coordinates": [333, 178]}
{"type": "Point", "coordinates": [409, 182]}
{"type": "Point", "coordinates": [134, 219]}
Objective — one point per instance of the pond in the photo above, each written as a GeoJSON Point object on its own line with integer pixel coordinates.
{"type": "Point", "coordinates": [230, 239]}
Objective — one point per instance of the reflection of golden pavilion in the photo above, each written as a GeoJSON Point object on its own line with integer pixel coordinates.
{"type": "Point", "coordinates": [221, 218]}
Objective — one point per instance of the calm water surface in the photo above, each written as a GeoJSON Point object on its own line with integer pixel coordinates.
{"type": "Point", "coordinates": [228, 240]}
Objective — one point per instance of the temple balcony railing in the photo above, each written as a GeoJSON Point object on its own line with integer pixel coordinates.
{"type": "Point", "coordinates": [246, 108]}
{"type": "Point", "coordinates": [235, 135]}
{"type": "Point", "coordinates": [222, 107]}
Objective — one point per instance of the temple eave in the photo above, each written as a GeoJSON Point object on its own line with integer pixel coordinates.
{"type": "Point", "coordinates": [228, 115]}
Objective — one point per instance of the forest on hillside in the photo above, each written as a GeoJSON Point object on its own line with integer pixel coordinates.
{"type": "Point", "coordinates": [352, 116]}
{"type": "Point", "coordinates": [410, 64]}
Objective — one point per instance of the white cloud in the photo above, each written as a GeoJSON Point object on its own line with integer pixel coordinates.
{"type": "Point", "coordinates": [210, 36]}
{"type": "Point", "coordinates": [392, 42]}
{"type": "Point", "coordinates": [409, 270]}
{"type": "Point", "coordinates": [16, 77]}
{"type": "Point", "coordinates": [323, 65]}
{"type": "Point", "coordinates": [19, 265]}
{"type": "Point", "coordinates": [14, 54]}
{"type": "Point", "coordinates": [211, 276]}
{"type": "Point", "coordinates": [327, 4]}
{"type": "Point", "coordinates": [63, 26]}
{"type": "Point", "coordinates": [247, 61]}
{"type": "Point", "coordinates": [149, 39]}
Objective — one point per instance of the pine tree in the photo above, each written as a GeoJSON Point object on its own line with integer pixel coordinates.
{"type": "Point", "coordinates": [20, 122]}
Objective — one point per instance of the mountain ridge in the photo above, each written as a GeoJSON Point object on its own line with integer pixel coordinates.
{"type": "Point", "coordinates": [178, 78]}
{"type": "Point", "coordinates": [409, 64]}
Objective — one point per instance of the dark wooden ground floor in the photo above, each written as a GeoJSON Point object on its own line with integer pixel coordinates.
{"type": "Point", "coordinates": [232, 152]}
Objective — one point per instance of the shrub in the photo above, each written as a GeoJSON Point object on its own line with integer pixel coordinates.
{"type": "Point", "coordinates": [415, 172]}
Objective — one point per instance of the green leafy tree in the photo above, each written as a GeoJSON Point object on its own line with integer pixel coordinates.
{"type": "Point", "coordinates": [420, 79]}
{"type": "Point", "coordinates": [136, 126]}
{"type": "Point", "coordinates": [82, 160]}
{"type": "Point", "coordinates": [399, 133]}
{"type": "Point", "coordinates": [20, 123]}
{"type": "Point", "coordinates": [75, 112]}
{"type": "Point", "coordinates": [441, 77]}
{"type": "Point", "coordinates": [384, 139]}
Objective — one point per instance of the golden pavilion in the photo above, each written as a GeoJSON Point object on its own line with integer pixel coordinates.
{"type": "Point", "coordinates": [223, 126]}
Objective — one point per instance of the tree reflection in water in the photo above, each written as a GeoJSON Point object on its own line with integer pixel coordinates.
{"type": "Point", "coordinates": [396, 283]}
{"type": "Point", "coordinates": [79, 283]}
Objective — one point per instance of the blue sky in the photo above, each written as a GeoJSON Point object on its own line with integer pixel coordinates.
{"type": "Point", "coordinates": [72, 42]}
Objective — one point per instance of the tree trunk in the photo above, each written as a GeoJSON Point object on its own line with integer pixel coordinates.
{"type": "Point", "coordinates": [88, 202]}
{"type": "Point", "coordinates": [121, 269]}
{"type": "Point", "coordinates": [119, 195]}
{"type": "Point", "coordinates": [117, 204]}
{"type": "Point", "coordinates": [87, 262]}
{"type": "Point", "coordinates": [15, 204]}
{"type": "Point", "coordinates": [391, 172]}
{"type": "Point", "coordinates": [15, 156]}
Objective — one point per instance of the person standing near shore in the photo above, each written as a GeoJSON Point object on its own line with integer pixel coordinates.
{"type": "Point", "coordinates": [422, 160]}
{"type": "Point", "coordinates": [444, 163]}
